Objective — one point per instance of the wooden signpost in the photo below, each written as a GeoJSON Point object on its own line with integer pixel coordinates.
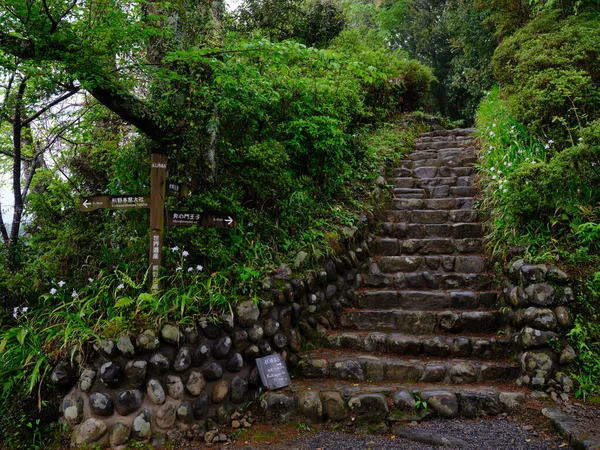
{"type": "Point", "coordinates": [159, 189]}
{"type": "Point", "coordinates": [88, 204]}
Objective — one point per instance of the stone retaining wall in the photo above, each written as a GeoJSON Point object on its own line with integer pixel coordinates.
{"type": "Point", "coordinates": [162, 383]}
{"type": "Point", "coordinates": [539, 318]}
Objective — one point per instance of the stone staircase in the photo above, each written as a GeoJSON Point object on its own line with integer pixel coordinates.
{"type": "Point", "coordinates": [423, 322]}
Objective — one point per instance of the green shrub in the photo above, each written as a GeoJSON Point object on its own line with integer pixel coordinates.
{"type": "Point", "coordinates": [549, 71]}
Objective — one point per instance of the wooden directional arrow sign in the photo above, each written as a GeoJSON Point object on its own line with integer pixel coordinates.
{"type": "Point", "coordinates": [205, 219]}
{"type": "Point", "coordinates": [128, 201]}
{"type": "Point", "coordinates": [178, 190]}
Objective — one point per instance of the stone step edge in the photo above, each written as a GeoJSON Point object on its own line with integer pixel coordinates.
{"type": "Point", "coordinates": [393, 406]}
{"type": "Point", "coordinates": [406, 344]}
{"type": "Point", "coordinates": [336, 355]}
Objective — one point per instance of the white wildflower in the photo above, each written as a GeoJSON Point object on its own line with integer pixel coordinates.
{"type": "Point", "coordinates": [190, 269]}
{"type": "Point", "coordinates": [185, 254]}
{"type": "Point", "coordinates": [177, 269]}
{"type": "Point", "coordinates": [121, 286]}
{"type": "Point", "coordinates": [174, 249]}
{"type": "Point", "coordinates": [52, 291]}
{"type": "Point", "coordinates": [492, 134]}
{"type": "Point", "coordinates": [15, 312]}
{"type": "Point", "coordinates": [199, 268]}
{"type": "Point", "coordinates": [74, 294]}
{"type": "Point", "coordinates": [61, 283]}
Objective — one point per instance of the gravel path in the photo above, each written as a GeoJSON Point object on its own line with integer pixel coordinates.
{"type": "Point", "coordinates": [490, 434]}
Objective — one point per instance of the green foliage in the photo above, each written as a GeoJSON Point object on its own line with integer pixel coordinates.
{"type": "Point", "coordinates": [585, 338]}
{"type": "Point", "coordinates": [451, 37]}
{"type": "Point", "coordinates": [313, 22]}
{"type": "Point", "coordinates": [521, 175]}
{"type": "Point", "coordinates": [549, 72]}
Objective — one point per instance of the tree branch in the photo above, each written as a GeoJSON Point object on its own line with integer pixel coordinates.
{"type": "Point", "coordinates": [127, 106]}
{"type": "Point", "coordinates": [50, 105]}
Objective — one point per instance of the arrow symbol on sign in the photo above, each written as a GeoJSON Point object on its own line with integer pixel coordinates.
{"type": "Point", "coordinates": [86, 203]}
{"type": "Point", "coordinates": [229, 220]}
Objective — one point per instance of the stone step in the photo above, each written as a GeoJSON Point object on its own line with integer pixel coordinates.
{"type": "Point", "coordinates": [409, 193]}
{"type": "Point", "coordinates": [483, 347]}
{"type": "Point", "coordinates": [427, 280]}
{"type": "Point", "coordinates": [416, 183]}
{"type": "Point", "coordinates": [432, 216]}
{"type": "Point", "coordinates": [422, 322]}
{"type": "Point", "coordinates": [402, 230]}
{"type": "Point", "coordinates": [448, 163]}
{"type": "Point", "coordinates": [355, 366]}
{"type": "Point", "coordinates": [390, 405]}
{"type": "Point", "coordinates": [448, 203]}
{"type": "Point", "coordinates": [432, 172]}
{"type": "Point", "coordinates": [428, 246]}
{"type": "Point", "coordinates": [435, 192]}
{"type": "Point", "coordinates": [455, 132]}
{"type": "Point", "coordinates": [416, 300]}
{"type": "Point", "coordinates": [461, 153]}
{"type": "Point", "coordinates": [436, 145]}
{"type": "Point", "coordinates": [430, 263]}
{"type": "Point", "coordinates": [444, 139]}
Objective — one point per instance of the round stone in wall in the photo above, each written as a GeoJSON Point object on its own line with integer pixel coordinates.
{"type": "Point", "coordinates": [240, 337]}
{"type": "Point", "coordinates": [142, 424]}
{"type": "Point", "coordinates": [64, 374]}
{"type": "Point", "coordinates": [73, 408]}
{"type": "Point", "coordinates": [195, 383]}
{"type": "Point", "coordinates": [185, 413]}
{"type": "Point", "coordinates": [160, 363]}
{"type": "Point", "coordinates": [213, 371]}
{"type": "Point", "coordinates": [279, 341]}
{"type": "Point", "coordinates": [271, 327]}
{"type": "Point", "coordinates": [175, 387]}
{"type": "Point", "coordinates": [247, 313]}
{"type": "Point", "coordinates": [129, 401]}
{"type": "Point", "coordinates": [183, 360]}
{"type": "Point", "coordinates": [222, 347]}
{"type": "Point", "coordinates": [201, 353]}
{"type": "Point", "coordinates": [235, 363]}
{"type": "Point", "coordinates": [147, 340]}
{"type": "Point", "coordinates": [125, 346]}
{"type": "Point", "coordinates": [200, 406]}
{"type": "Point", "coordinates": [111, 374]}
{"type": "Point", "coordinates": [86, 380]}
{"type": "Point", "coordinates": [135, 371]}
{"type": "Point", "coordinates": [156, 392]}
{"type": "Point", "coordinates": [191, 334]}
{"type": "Point", "coordinates": [101, 404]}
{"type": "Point", "coordinates": [105, 347]}
{"type": "Point", "coordinates": [171, 334]}
{"type": "Point", "coordinates": [119, 433]}
{"type": "Point", "coordinates": [251, 352]}
{"type": "Point", "coordinates": [239, 387]}
{"type": "Point", "coordinates": [89, 431]}
{"type": "Point", "coordinates": [265, 349]}
{"type": "Point", "coordinates": [255, 334]}
{"type": "Point", "coordinates": [166, 415]}
{"type": "Point", "coordinates": [220, 391]}
{"type": "Point", "coordinates": [209, 329]}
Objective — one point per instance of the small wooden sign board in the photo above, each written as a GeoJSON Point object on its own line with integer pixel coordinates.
{"type": "Point", "coordinates": [273, 372]}
{"type": "Point", "coordinates": [205, 219]}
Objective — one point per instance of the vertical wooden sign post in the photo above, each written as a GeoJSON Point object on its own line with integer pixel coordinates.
{"type": "Point", "coordinates": [158, 180]}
